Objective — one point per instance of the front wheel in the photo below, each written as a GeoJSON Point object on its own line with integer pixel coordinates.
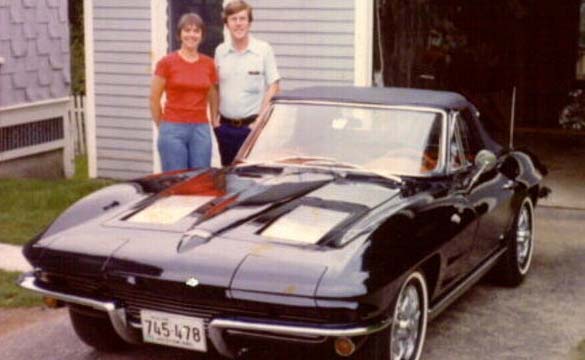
{"type": "Point", "coordinates": [404, 338]}
{"type": "Point", "coordinates": [515, 263]}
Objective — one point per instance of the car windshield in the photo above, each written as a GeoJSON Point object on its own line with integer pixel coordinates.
{"type": "Point", "coordinates": [392, 141]}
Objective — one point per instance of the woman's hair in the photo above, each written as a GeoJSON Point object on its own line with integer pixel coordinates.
{"type": "Point", "coordinates": [189, 19]}
{"type": "Point", "coordinates": [234, 7]}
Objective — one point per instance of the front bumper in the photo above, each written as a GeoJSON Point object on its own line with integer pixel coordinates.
{"type": "Point", "coordinates": [217, 326]}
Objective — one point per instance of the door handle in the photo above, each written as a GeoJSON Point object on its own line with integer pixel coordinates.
{"type": "Point", "coordinates": [509, 185]}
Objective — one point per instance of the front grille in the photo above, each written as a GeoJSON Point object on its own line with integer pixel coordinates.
{"type": "Point", "coordinates": [83, 285]}
{"type": "Point", "coordinates": [89, 286]}
{"type": "Point", "coordinates": [201, 307]}
{"type": "Point", "coordinates": [203, 302]}
{"type": "Point", "coordinates": [133, 313]}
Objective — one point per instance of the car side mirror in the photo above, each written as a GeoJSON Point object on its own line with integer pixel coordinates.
{"type": "Point", "coordinates": [485, 160]}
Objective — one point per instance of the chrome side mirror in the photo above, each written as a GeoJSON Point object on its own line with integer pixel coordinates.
{"type": "Point", "coordinates": [485, 160]}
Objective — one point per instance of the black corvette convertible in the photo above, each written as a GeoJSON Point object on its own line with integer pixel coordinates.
{"type": "Point", "coordinates": [350, 218]}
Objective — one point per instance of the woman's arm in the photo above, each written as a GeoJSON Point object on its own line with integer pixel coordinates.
{"type": "Point", "coordinates": [213, 98]}
{"type": "Point", "coordinates": [157, 88]}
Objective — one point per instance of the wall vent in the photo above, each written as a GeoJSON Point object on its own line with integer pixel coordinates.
{"type": "Point", "coordinates": [30, 134]}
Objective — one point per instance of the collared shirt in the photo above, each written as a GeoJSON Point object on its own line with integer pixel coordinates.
{"type": "Point", "coordinates": [244, 77]}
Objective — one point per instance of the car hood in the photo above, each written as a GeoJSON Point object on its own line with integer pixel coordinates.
{"type": "Point", "coordinates": [238, 229]}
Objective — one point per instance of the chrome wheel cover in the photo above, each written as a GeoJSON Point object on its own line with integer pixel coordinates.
{"type": "Point", "coordinates": [524, 237]}
{"type": "Point", "coordinates": [409, 321]}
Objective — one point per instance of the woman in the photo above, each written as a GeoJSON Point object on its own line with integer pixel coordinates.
{"type": "Point", "coordinates": [189, 79]}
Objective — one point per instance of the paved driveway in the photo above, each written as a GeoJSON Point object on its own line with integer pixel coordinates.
{"type": "Point", "coordinates": [544, 319]}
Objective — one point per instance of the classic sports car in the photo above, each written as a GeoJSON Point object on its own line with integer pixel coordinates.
{"type": "Point", "coordinates": [350, 217]}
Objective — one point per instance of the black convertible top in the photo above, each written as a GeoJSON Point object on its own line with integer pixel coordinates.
{"type": "Point", "coordinates": [380, 96]}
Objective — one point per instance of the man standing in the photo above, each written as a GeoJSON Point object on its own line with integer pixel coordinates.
{"type": "Point", "coordinates": [248, 79]}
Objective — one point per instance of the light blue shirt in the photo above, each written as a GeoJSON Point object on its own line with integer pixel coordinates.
{"type": "Point", "coordinates": [244, 77]}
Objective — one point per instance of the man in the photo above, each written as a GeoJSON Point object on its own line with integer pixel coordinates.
{"type": "Point", "coordinates": [248, 79]}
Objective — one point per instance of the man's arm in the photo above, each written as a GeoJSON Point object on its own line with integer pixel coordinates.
{"type": "Point", "coordinates": [157, 88]}
{"type": "Point", "coordinates": [272, 90]}
{"type": "Point", "coordinates": [272, 78]}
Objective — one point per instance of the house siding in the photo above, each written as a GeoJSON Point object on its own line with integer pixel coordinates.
{"type": "Point", "coordinates": [122, 73]}
{"type": "Point", "coordinates": [34, 45]}
{"type": "Point", "coordinates": [35, 81]}
{"type": "Point", "coordinates": [313, 40]}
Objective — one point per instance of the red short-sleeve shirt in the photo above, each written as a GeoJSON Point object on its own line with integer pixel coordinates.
{"type": "Point", "coordinates": [186, 87]}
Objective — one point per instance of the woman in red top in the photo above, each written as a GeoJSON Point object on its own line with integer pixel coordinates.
{"type": "Point", "coordinates": [188, 78]}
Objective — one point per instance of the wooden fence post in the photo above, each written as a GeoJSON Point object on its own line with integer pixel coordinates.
{"type": "Point", "coordinates": [76, 118]}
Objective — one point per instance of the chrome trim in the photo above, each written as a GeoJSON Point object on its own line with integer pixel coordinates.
{"type": "Point", "coordinates": [299, 330]}
{"type": "Point", "coordinates": [129, 331]}
{"type": "Point", "coordinates": [465, 285]}
{"type": "Point", "coordinates": [361, 104]}
{"type": "Point", "coordinates": [288, 338]}
{"type": "Point", "coordinates": [27, 281]}
{"type": "Point", "coordinates": [116, 314]}
{"type": "Point", "coordinates": [217, 326]}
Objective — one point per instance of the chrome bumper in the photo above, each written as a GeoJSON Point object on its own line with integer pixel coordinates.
{"type": "Point", "coordinates": [217, 326]}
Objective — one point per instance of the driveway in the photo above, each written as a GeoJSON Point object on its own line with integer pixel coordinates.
{"type": "Point", "coordinates": [544, 319]}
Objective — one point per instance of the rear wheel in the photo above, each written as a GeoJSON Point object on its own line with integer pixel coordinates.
{"type": "Point", "coordinates": [404, 339]}
{"type": "Point", "coordinates": [515, 263]}
{"type": "Point", "coordinates": [95, 329]}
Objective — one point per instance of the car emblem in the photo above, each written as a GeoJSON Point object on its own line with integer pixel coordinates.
{"type": "Point", "coordinates": [192, 282]}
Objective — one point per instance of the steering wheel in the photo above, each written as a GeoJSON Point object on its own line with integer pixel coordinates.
{"type": "Point", "coordinates": [426, 161]}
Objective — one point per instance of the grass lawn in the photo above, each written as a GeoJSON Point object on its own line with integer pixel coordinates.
{"type": "Point", "coordinates": [12, 296]}
{"type": "Point", "coordinates": [26, 207]}
{"type": "Point", "coordinates": [581, 351]}
{"type": "Point", "coordinates": [29, 205]}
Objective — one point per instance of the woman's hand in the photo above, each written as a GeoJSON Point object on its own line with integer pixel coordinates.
{"type": "Point", "coordinates": [157, 88]}
{"type": "Point", "coordinates": [213, 100]}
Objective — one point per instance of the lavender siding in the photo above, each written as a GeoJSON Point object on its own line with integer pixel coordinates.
{"type": "Point", "coordinates": [122, 48]}
{"type": "Point", "coordinates": [34, 43]}
{"type": "Point", "coordinates": [313, 40]}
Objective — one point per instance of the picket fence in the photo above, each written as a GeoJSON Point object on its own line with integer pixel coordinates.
{"type": "Point", "coordinates": [76, 119]}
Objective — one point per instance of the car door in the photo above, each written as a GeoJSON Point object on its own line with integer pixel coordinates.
{"type": "Point", "coordinates": [490, 196]}
{"type": "Point", "coordinates": [460, 218]}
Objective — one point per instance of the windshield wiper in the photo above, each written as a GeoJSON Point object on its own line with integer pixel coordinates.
{"type": "Point", "coordinates": [300, 159]}
{"type": "Point", "coordinates": [321, 162]}
{"type": "Point", "coordinates": [332, 163]}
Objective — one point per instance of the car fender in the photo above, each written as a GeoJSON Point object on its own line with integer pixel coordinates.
{"type": "Point", "coordinates": [372, 277]}
{"type": "Point", "coordinates": [88, 207]}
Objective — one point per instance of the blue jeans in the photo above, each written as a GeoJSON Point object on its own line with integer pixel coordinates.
{"type": "Point", "coordinates": [184, 145]}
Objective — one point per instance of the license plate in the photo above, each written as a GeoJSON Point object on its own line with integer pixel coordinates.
{"type": "Point", "coordinates": [173, 330]}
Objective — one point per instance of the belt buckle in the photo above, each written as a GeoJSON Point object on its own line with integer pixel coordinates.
{"type": "Point", "coordinates": [238, 122]}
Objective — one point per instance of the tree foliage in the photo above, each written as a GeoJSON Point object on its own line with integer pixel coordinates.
{"type": "Point", "coordinates": [422, 41]}
{"type": "Point", "coordinates": [77, 46]}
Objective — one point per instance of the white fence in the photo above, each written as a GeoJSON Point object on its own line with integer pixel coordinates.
{"type": "Point", "coordinates": [31, 129]}
{"type": "Point", "coordinates": [76, 121]}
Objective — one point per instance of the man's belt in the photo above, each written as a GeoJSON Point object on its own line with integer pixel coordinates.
{"type": "Point", "coordinates": [237, 122]}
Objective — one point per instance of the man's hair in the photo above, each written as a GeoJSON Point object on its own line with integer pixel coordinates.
{"type": "Point", "coordinates": [189, 19]}
{"type": "Point", "coordinates": [234, 7]}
